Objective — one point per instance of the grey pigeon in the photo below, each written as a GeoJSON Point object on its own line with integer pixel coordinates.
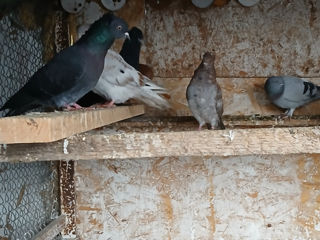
{"type": "Point", "coordinates": [72, 73]}
{"type": "Point", "coordinates": [290, 92]}
{"type": "Point", "coordinates": [204, 95]}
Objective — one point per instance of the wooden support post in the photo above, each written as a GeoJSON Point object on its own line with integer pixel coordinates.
{"type": "Point", "coordinates": [68, 197]}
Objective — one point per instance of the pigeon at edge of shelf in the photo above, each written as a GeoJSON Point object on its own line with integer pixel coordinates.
{"type": "Point", "coordinates": [289, 92]}
{"type": "Point", "coordinates": [204, 95]}
{"type": "Point", "coordinates": [80, 64]}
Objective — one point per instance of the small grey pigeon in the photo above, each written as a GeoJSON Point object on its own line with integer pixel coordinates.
{"type": "Point", "coordinates": [204, 95]}
{"type": "Point", "coordinates": [120, 82]}
{"type": "Point", "coordinates": [72, 72]}
{"type": "Point", "coordinates": [290, 92]}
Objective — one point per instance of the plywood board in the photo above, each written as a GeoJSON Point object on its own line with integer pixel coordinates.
{"type": "Point", "coordinates": [271, 38]}
{"type": "Point", "coordinates": [249, 197]}
{"type": "Point", "coordinates": [241, 96]}
{"type": "Point", "coordinates": [49, 127]}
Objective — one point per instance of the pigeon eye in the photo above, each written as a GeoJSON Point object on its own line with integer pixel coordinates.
{"type": "Point", "coordinates": [119, 28]}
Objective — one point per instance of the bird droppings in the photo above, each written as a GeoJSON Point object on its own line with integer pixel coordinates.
{"type": "Point", "coordinates": [230, 136]}
{"type": "Point", "coordinates": [65, 146]}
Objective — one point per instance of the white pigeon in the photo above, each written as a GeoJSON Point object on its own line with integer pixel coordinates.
{"type": "Point", "coordinates": [120, 82]}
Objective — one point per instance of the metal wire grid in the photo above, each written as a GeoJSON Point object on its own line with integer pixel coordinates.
{"type": "Point", "coordinates": [28, 198]}
{"type": "Point", "coordinates": [20, 56]}
{"type": "Point", "coordinates": [28, 191]}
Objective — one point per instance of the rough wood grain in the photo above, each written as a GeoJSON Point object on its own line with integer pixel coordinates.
{"type": "Point", "coordinates": [49, 127]}
{"type": "Point", "coordinates": [271, 38]}
{"type": "Point", "coordinates": [52, 230]}
{"type": "Point", "coordinates": [114, 145]}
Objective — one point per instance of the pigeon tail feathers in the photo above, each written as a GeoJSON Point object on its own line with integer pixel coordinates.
{"type": "Point", "coordinates": [150, 93]}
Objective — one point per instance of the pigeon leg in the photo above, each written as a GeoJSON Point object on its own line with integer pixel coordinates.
{"type": "Point", "coordinates": [108, 104]}
{"type": "Point", "coordinates": [73, 106]}
{"type": "Point", "coordinates": [201, 125]}
{"type": "Point", "coordinates": [287, 114]}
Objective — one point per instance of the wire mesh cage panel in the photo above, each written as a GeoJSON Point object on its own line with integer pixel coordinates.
{"type": "Point", "coordinates": [21, 55]}
{"type": "Point", "coordinates": [28, 198]}
{"type": "Point", "coordinates": [29, 192]}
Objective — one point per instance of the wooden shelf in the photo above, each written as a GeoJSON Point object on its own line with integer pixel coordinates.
{"type": "Point", "coordinates": [117, 142]}
{"type": "Point", "coordinates": [49, 127]}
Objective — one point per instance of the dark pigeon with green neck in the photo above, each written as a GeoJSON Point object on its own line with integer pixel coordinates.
{"type": "Point", "coordinates": [72, 72]}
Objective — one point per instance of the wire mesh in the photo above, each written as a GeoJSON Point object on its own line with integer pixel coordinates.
{"type": "Point", "coordinates": [21, 55]}
{"type": "Point", "coordinates": [29, 193]}
{"type": "Point", "coordinates": [28, 198]}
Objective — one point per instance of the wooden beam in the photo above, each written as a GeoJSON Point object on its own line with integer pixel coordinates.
{"type": "Point", "coordinates": [188, 123]}
{"type": "Point", "coordinates": [49, 127]}
{"type": "Point", "coordinates": [52, 230]}
{"type": "Point", "coordinates": [68, 198]}
{"type": "Point", "coordinates": [114, 145]}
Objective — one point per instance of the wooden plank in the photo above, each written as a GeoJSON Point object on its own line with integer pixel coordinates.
{"type": "Point", "coordinates": [111, 144]}
{"type": "Point", "coordinates": [49, 127]}
{"type": "Point", "coordinates": [52, 230]}
{"type": "Point", "coordinates": [68, 198]}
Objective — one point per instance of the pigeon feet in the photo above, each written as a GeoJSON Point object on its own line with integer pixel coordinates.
{"type": "Point", "coordinates": [284, 116]}
{"type": "Point", "coordinates": [104, 105]}
{"type": "Point", "coordinates": [287, 114]}
{"type": "Point", "coordinates": [108, 104]}
{"type": "Point", "coordinates": [200, 127]}
{"type": "Point", "coordinates": [73, 106]}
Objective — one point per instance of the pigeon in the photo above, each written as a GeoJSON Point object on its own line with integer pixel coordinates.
{"type": "Point", "coordinates": [130, 51]}
{"type": "Point", "coordinates": [290, 92]}
{"type": "Point", "coordinates": [204, 95]}
{"type": "Point", "coordinates": [120, 82]}
{"type": "Point", "coordinates": [72, 72]}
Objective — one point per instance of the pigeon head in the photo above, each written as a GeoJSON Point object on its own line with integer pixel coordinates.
{"type": "Point", "coordinates": [136, 34]}
{"type": "Point", "coordinates": [208, 59]}
{"type": "Point", "coordinates": [274, 87]}
{"type": "Point", "coordinates": [105, 30]}
{"type": "Point", "coordinates": [119, 28]}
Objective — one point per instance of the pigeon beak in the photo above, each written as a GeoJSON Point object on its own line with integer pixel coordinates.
{"type": "Point", "coordinates": [126, 35]}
